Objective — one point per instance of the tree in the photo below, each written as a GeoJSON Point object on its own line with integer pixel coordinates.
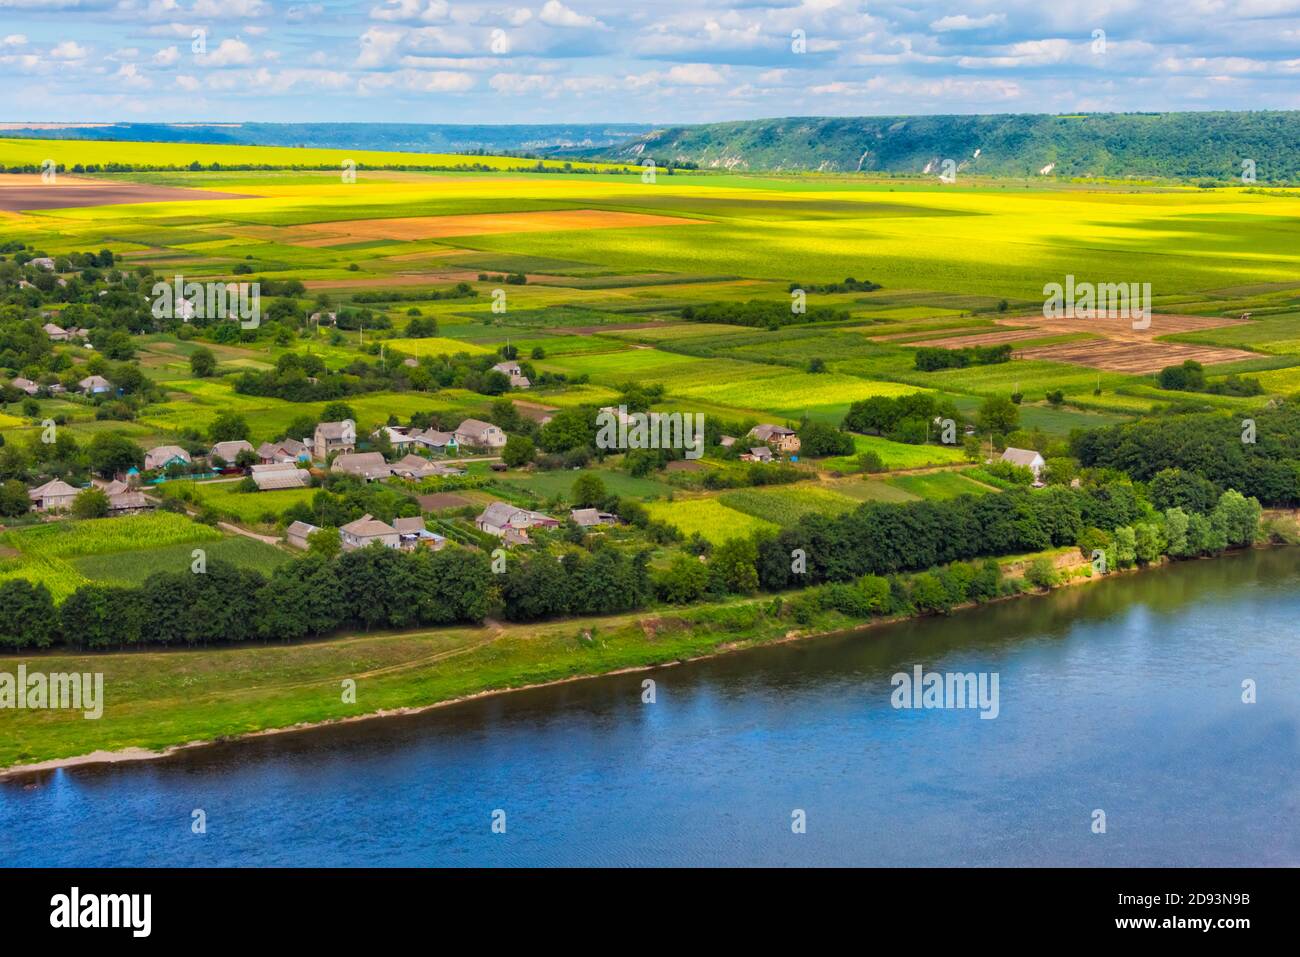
{"type": "Point", "coordinates": [817, 439]}
{"type": "Point", "coordinates": [686, 580]}
{"type": "Point", "coordinates": [202, 362]}
{"type": "Point", "coordinates": [1041, 573]}
{"type": "Point", "coordinates": [1175, 488]}
{"type": "Point", "coordinates": [27, 614]}
{"type": "Point", "coordinates": [588, 490]}
{"type": "Point", "coordinates": [733, 566]}
{"type": "Point", "coordinates": [1239, 517]}
{"type": "Point", "coordinates": [1125, 543]}
{"type": "Point", "coordinates": [113, 452]}
{"type": "Point", "coordinates": [229, 427]}
{"type": "Point", "coordinates": [337, 412]}
{"type": "Point", "coordinates": [90, 503]}
{"type": "Point", "coordinates": [518, 451]}
{"type": "Point", "coordinates": [1176, 525]}
{"type": "Point", "coordinates": [569, 429]}
{"type": "Point", "coordinates": [324, 542]}
{"type": "Point", "coordinates": [998, 415]}
{"type": "Point", "coordinates": [14, 500]}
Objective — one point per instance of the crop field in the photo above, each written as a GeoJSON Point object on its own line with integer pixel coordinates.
{"type": "Point", "coordinates": [546, 485]}
{"type": "Point", "coordinates": [788, 504]}
{"type": "Point", "coordinates": [939, 485]}
{"type": "Point", "coordinates": [708, 517]}
{"type": "Point", "coordinates": [48, 554]}
{"type": "Point", "coordinates": [249, 507]}
{"type": "Point", "coordinates": [895, 455]}
{"type": "Point", "coordinates": [133, 567]}
{"type": "Point", "coordinates": [105, 536]}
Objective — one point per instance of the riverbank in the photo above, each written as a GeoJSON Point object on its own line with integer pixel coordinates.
{"type": "Point", "coordinates": [161, 702]}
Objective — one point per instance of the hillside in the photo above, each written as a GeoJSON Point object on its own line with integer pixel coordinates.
{"type": "Point", "coordinates": [1179, 145]}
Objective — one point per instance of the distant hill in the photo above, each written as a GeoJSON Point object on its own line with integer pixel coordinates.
{"type": "Point", "coordinates": [1177, 145]}
{"type": "Point", "coordinates": [403, 137]}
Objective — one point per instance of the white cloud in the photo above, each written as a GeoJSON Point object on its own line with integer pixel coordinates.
{"type": "Point", "coordinates": [228, 53]}
{"type": "Point", "coordinates": [517, 84]}
{"type": "Point", "coordinates": [407, 11]}
{"type": "Point", "coordinates": [69, 50]}
{"type": "Point", "coordinates": [167, 56]}
{"type": "Point", "coordinates": [963, 22]}
{"type": "Point", "coordinates": [557, 14]}
{"type": "Point", "coordinates": [14, 40]}
{"type": "Point", "coordinates": [129, 76]}
{"type": "Point", "coordinates": [695, 74]}
{"type": "Point", "coordinates": [233, 9]}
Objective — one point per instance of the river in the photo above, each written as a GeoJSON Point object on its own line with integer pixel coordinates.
{"type": "Point", "coordinates": [1123, 697]}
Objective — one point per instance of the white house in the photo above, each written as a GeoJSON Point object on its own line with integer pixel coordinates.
{"type": "Point", "coordinates": [1026, 459]}
{"type": "Point", "coordinates": [479, 434]}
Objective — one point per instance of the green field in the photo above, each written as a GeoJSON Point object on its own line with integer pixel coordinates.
{"type": "Point", "coordinates": [708, 517]}
{"type": "Point", "coordinates": [939, 485]}
{"type": "Point", "coordinates": [787, 505]}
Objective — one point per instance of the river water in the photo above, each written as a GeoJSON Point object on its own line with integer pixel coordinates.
{"type": "Point", "coordinates": [1124, 697]}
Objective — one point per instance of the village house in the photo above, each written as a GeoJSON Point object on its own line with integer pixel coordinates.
{"type": "Point", "coordinates": [161, 456]}
{"type": "Point", "coordinates": [277, 475]}
{"type": "Point", "coordinates": [366, 531]}
{"type": "Point", "coordinates": [412, 534]}
{"type": "Point", "coordinates": [42, 262]}
{"type": "Point", "coordinates": [25, 385]}
{"type": "Point", "coordinates": [55, 493]}
{"type": "Point", "coordinates": [284, 452]}
{"type": "Point", "coordinates": [331, 437]}
{"type": "Point", "coordinates": [296, 534]}
{"type": "Point", "coordinates": [435, 441]}
{"type": "Point", "coordinates": [726, 441]}
{"type": "Point", "coordinates": [122, 498]}
{"type": "Point", "coordinates": [95, 385]}
{"type": "Point", "coordinates": [328, 318]}
{"type": "Point", "coordinates": [363, 465]}
{"type": "Point", "coordinates": [759, 453]}
{"type": "Point", "coordinates": [55, 333]}
{"type": "Point", "coordinates": [1026, 459]}
{"type": "Point", "coordinates": [513, 371]}
{"type": "Point", "coordinates": [511, 522]}
{"type": "Point", "coordinates": [479, 434]}
{"type": "Point", "coordinates": [400, 437]}
{"type": "Point", "coordinates": [591, 517]}
{"type": "Point", "coordinates": [414, 467]}
{"type": "Point", "coordinates": [229, 451]}
{"type": "Point", "coordinates": [778, 436]}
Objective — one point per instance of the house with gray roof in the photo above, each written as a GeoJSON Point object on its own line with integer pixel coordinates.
{"type": "Point", "coordinates": [363, 465]}
{"type": "Point", "coordinates": [229, 451]}
{"type": "Point", "coordinates": [511, 522]}
{"type": "Point", "coordinates": [366, 531]}
{"type": "Point", "coordinates": [331, 437]}
{"type": "Point", "coordinates": [479, 434]}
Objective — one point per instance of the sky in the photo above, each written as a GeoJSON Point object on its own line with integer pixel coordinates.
{"type": "Point", "coordinates": [636, 61]}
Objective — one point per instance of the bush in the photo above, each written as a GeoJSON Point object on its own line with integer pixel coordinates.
{"type": "Point", "coordinates": [1041, 573]}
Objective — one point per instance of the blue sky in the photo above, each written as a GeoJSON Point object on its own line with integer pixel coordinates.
{"type": "Point", "coordinates": [658, 61]}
